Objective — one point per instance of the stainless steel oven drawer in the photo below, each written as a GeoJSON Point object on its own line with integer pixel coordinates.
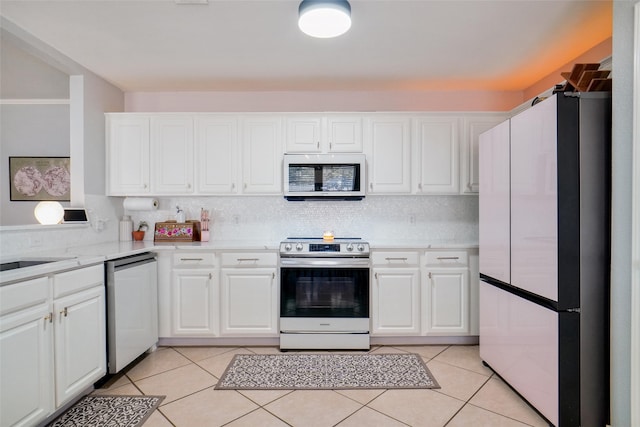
{"type": "Point", "coordinates": [325, 324]}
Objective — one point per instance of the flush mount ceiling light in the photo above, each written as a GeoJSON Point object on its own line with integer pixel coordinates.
{"type": "Point", "coordinates": [324, 18]}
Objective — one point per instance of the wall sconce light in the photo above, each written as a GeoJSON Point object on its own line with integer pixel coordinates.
{"type": "Point", "coordinates": [49, 213]}
{"type": "Point", "coordinates": [324, 18]}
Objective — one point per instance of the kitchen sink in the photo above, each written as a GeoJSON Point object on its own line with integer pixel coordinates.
{"type": "Point", "coordinates": [12, 265]}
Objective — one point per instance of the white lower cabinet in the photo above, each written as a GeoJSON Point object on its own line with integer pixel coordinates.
{"type": "Point", "coordinates": [52, 344]}
{"type": "Point", "coordinates": [80, 339]}
{"type": "Point", "coordinates": [194, 295]}
{"type": "Point", "coordinates": [249, 301]}
{"type": "Point", "coordinates": [395, 294]}
{"type": "Point", "coordinates": [26, 355]}
{"type": "Point", "coordinates": [446, 293]}
{"type": "Point", "coordinates": [249, 294]}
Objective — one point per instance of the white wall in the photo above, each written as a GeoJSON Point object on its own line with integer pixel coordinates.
{"type": "Point", "coordinates": [25, 76]}
{"type": "Point", "coordinates": [29, 129]}
{"type": "Point", "coordinates": [623, 56]}
{"type": "Point", "coordinates": [34, 59]}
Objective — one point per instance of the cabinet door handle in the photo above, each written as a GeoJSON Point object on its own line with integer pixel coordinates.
{"type": "Point", "coordinates": [330, 145]}
{"type": "Point", "coordinates": [233, 185]}
{"type": "Point", "coordinates": [64, 312]}
{"type": "Point", "coordinates": [144, 185]}
{"type": "Point", "coordinates": [318, 145]}
{"type": "Point", "coordinates": [429, 275]}
{"type": "Point", "coordinates": [247, 259]}
{"type": "Point", "coordinates": [371, 186]}
{"type": "Point", "coordinates": [447, 257]}
{"type": "Point", "coordinates": [49, 317]}
{"type": "Point", "coordinates": [210, 276]}
{"type": "Point", "coordinates": [244, 186]}
{"type": "Point", "coordinates": [273, 276]}
{"type": "Point", "coordinates": [420, 187]}
{"type": "Point", "coordinates": [396, 259]}
{"type": "Point", "coordinates": [191, 259]}
{"type": "Point", "coordinates": [376, 276]}
{"type": "Point", "coordinates": [189, 186]}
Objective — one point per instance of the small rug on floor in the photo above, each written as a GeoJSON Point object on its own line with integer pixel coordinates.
{"type": "Point", "coordinates": [326, 371]}
{"type": "Point", "coordinates": [108, 410]}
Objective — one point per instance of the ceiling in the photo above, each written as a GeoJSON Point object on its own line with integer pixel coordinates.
{"type": "Point", "coordinates": [240, 45]}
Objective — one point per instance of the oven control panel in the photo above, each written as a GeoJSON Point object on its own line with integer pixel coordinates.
{"type": "Point", "coordinates": [323, 248]}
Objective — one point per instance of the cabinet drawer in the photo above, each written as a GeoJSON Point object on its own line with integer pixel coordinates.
{"type": "Point", "coordinates": [23, 294]}
{"type": "Point", "coordinates": [249, 259]}
{"type": "Point", "coordinates": [75, 280]}
{"type": "Point", "coordinates": [400, 259]}
{"type": "Point", "coordinates": [194, 259]}
{"type": "Point", "coordinates": [447, 258]}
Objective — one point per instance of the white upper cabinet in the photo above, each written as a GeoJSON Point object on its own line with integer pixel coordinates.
{"type": "Point", "coordinates": [217, 155]}
{"type": "Point", "coordinates": [172, 154]}
{"type": "Point", "coordinates": [472, 127]}
{"type": "Point", "coordinates": [304, 134]}
{"type": "Point", "coordinates": [388, 150]}
{"type": "Point", "coordinates": [344, 134]}
{"type": "Point", "coordinates": [437, 155]}
{"type": "Point", "coordinates": [316, 134]}
{"type": "Point", "coordinates": [128, 155]}
{"type": "Point", "coordinates": [262, 155]}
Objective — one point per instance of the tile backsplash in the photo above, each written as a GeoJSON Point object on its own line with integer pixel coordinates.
{"type": "Point", "coordinates": [375, 218]}
{"type": "Point", "coordinates": [452, 219]}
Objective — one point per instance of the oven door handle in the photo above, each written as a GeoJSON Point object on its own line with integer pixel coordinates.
{"type": "Point", "coordinates": [335, 262]}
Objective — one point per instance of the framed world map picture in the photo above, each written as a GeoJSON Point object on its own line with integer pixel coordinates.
{"type": "Point", "coordinates": [39, 178]}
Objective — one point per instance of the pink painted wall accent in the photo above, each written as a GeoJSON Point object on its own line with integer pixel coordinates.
{"type": "Point", "coordinates": [292, 101]}
{"type": "Point", "coordinates": [321, 101]}
{"type": "Point", "coordinates": [596, 54]}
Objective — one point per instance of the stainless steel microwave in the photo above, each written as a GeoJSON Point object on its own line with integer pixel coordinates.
{"type": "Point", "coordinates": [324, 176]}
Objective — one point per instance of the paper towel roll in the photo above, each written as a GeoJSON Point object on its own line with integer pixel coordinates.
{"type": "Point", "coordinates": [140, 204]}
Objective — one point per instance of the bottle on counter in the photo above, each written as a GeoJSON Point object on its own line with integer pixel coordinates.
{"type": "Point", "coordinates": [126, 227]}
{"type": "Point", "coordinates": [180, 216]}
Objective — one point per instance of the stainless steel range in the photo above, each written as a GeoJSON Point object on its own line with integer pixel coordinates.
{"type": "Point", "coordinates": [324, 294]}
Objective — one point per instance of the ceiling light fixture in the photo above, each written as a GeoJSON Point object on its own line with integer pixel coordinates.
{"type": "Point", "coordinates": [324, 18]}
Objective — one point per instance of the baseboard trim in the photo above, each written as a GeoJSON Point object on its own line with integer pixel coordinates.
{"type": "Point", "coordinates": [275, 341]}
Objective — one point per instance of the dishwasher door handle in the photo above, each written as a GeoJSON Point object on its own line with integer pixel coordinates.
{"type": "Point", "coordinates": [131, 261]}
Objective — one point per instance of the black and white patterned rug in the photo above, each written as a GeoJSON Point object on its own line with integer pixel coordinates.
{"type": "Point", "coordinates": [108, 411]}
{"type": "Point", "coordinates": [326, 371]}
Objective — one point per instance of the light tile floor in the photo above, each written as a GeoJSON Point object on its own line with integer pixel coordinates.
{"type": "Point", "coordinates": [470, 394]}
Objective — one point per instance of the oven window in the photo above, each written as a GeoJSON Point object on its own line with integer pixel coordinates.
{"type": "Point", "coordinates": [324, 292]}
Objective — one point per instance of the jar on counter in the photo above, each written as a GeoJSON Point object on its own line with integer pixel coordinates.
{"type": "Point", "coordinates": [126, 227]}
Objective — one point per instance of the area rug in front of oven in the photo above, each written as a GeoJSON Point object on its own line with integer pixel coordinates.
{"type": "Point", "coordinates": [108, 410]}
{"type": "Point", "coordinates": [327, 371]}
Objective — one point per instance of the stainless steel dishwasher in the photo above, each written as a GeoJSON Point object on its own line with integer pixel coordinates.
{"type": "Point", "coordinates": [132, 308]}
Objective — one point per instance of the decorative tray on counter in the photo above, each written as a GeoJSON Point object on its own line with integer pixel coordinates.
{"type": "Point", "coordinates": [177, 231]}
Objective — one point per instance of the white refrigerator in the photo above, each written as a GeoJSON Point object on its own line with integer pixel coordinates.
{"type": "Point", "coordinates": [544, 215]}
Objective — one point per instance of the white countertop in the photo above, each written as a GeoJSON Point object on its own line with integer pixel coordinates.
{"type": "Point", "coordinates": [77, 256]}
{"type": "Point", "coordinates": [421, 244]}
